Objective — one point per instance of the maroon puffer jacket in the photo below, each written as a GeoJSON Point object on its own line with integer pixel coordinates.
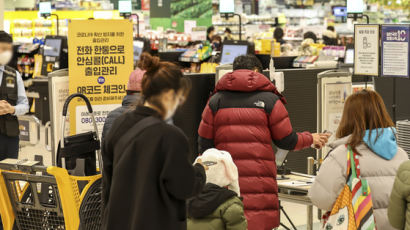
{"type": "Point", "coordinates": [243, 117]}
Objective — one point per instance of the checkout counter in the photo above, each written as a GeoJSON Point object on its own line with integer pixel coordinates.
{"type": "Point", "coordinates": [301, 95]}
{"type": "Point", "coordinates": [39, 91]}
{"type": "Point", "coordinates": [55, 57]}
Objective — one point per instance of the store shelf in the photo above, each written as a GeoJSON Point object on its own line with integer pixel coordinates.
{"type": "Point", "coordinates": [293, 39]}
{"type": "Point", "coordinates": [262, 23]}
{"type": "Point", "coordinates": [227, 24]}
{"type": "Point", "coordinates": [244, 24]}
{"type": "Point", "coordinates": [178, 43]}
{"type": "Point", "coordinates": [233, 32]}
{"type": "Point", "coordinates": [190, 59]}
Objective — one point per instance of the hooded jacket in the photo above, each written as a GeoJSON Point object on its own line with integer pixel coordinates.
{"type": "Point", "coordinates": [329, 38]}
{"type": "Point", "coordinates": [216, 208]}
{"type": "Point", "coordinates": [243, 117]}
{"type": "Point", "coordinates": [379, 160]}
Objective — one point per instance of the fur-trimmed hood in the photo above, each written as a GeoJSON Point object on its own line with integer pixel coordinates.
{"type": "Point", "coordinates": [329, 34]}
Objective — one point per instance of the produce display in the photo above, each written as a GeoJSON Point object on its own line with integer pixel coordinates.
{"type": "Point", "coordinates": [191, 8]}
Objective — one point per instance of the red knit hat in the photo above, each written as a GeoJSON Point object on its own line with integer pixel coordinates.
{"type": "Point", "coordinates": [134, 83]}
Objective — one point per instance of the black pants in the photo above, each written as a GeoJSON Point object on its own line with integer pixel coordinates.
{"type": "Point", "coordinates": [9, 148]}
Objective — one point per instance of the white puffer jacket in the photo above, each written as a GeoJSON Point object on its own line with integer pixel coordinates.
{"type": "Point", "coordinates": [375, 166]}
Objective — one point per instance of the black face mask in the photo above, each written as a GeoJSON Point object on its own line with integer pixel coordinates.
{"type": "Point", "coordinates": [216, 45]}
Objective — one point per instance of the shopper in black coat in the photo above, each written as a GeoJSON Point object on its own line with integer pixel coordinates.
{"type": "Point", "coordinates": [147, 180]}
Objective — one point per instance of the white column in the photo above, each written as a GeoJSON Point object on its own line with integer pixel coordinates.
{"type": "Point", "coordinates": [2, 14]}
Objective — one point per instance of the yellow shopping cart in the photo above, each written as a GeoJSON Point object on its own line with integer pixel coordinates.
{"type": "Point", "coordinates": [34, 197]}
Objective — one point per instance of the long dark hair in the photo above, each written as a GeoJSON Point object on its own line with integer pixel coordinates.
{"type": "Point", "coordinates": [160, 77]}
{"type": "Point", "coordinates": [364, 110]}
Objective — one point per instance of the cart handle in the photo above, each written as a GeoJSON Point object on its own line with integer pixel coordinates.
{"type": "Point", "coordinates": [71, 97]}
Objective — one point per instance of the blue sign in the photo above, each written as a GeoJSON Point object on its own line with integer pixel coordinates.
{"type": "Point", "coordinates": [101, 80]}
{"type": "Point", "coordinates": [395, 51]}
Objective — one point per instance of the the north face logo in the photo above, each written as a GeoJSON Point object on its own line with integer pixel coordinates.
{"type": "Point", "coordinates": [260, 104]}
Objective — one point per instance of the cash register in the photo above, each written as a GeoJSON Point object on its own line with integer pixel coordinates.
{"type": "Point", "coordinates": [55, 54]}
{"type": "Point", "coordinates": [55, 57]}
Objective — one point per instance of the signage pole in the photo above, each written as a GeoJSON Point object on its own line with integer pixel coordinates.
{"type": "Point", "coordinates": [367, 22]}
{"type": "Point", "coordinates": [58, 23]}
{"type": "Point", "coordinates": [240, 26]}
{"type": "Point", "coordinates": [394, 101]}
{"type": "Point", "coordinates": [367, 18]}
{"type": "Point", "coordinates": [138, 25]}
{"type": "Point", "coordinates": [229, 15]}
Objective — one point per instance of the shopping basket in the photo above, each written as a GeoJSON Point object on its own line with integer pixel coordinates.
{"type": "Point", "coordinates": [44, 198]}
{"type": "Point", "coordinates": [80, 147]}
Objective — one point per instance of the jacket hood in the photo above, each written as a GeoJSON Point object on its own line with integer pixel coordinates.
{"type": "Point", "coordinates": [382, 142]}
{"type": "Point", "coordinates": [329, 34]}
{"type": "Point", "coordinates": [244, 80]}
{"type": "Point", "coordinates": [208, 200]}
{"type": "Point", "coordinates": [130, 99]}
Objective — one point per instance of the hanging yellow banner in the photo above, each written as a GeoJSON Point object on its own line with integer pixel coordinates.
{"type": "Point", "coordinates": [100, 61]}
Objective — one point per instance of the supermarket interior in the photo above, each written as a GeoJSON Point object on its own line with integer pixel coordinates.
{"type": "Point", "coordinates": [286, 88]}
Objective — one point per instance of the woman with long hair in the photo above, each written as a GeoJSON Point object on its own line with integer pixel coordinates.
{"type": "Point", "coordinates": [367, 128]}
{"type": "Point", "coordinates": [133, 93]}
{"type": "Point", "coordinates": [147, 175]}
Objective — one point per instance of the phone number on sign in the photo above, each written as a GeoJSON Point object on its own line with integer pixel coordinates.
{"type": "Point", "coordinates": [89, 120]}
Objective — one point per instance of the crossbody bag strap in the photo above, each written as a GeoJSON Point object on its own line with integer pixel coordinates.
{"type": "Point", "coordinates": [355, 167]}
{"type": "Point", "coordinates": [351, 167]}
{"type": "Point", "coordinates": [135, 130]}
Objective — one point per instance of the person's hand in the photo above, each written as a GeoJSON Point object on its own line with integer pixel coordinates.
{"type": "Point", "coordinates": [6, 108]}
{"type": "Point", "coordinates": [199, 161]}
{"type": "Point", "coordinates": [320, 140]}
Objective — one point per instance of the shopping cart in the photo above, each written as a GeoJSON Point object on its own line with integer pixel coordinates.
{"type": "Point", "coordinates": [35, 197]}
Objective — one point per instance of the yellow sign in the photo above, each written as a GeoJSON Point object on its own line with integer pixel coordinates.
{"type": "Point", "coordinates": [100, 61]}
{"type": "Point", "coordinates": [38, 62]}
